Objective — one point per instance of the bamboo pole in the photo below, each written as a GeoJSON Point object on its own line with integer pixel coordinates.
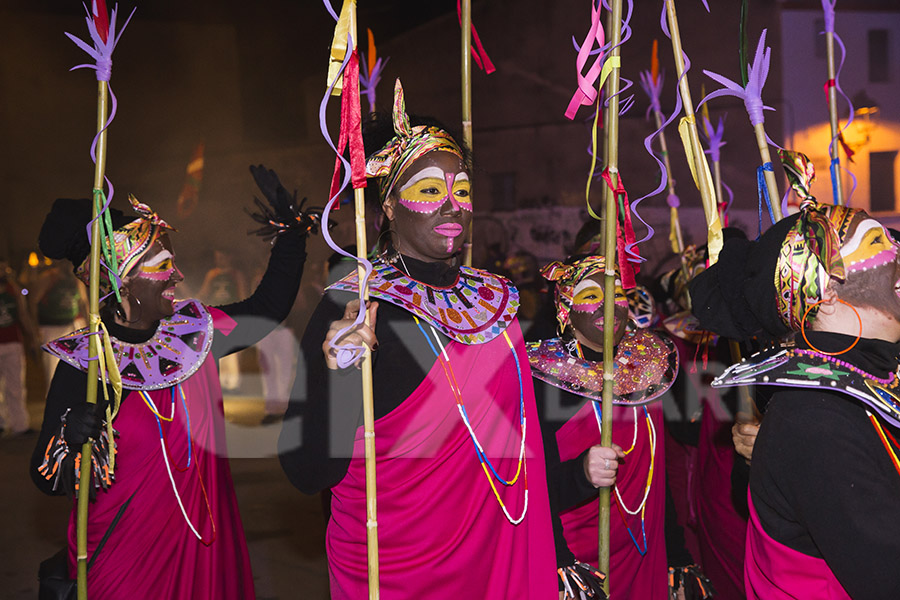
{"type": "Point", "coordinates": [368, 408]}
{"type": "Point", "coordinates": [763, 145]}
{"type": "Point", "coordinates": [466, 67]}
{"type": "Point", "coordinates": [609, 287]}
{"type": "Point", "coordinates": [84, 479]}
{"type": "Point", "coordinates": [833, 118]}
{"type": "Point", "coordinates": [707, 194]}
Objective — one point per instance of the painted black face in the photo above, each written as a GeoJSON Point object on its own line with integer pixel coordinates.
{"type": "Point", "coordinates": [430, 208]}
{"type": "Point", "coordinates": [586, 315]}
{"type": "Point", "coordinates": [152, 282]}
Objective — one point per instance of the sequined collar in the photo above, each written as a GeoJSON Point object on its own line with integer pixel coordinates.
{"type": "Point", "coordinates": [789, 366]}
{"type": "Point", "coordinates": [646, 364]}
{"type": "Point", "coordinates": [177, 349]}
{"type": "Point", "coordinates": [474, 309]}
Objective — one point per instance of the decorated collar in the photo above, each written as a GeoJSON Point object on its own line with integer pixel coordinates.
{"type": "Point", "coordinates": [475, 309]}
{"type": "Point", "coordinates": [645, 366]}
{"type": "Point", "coordinates": [793, 367]}
{"type": "Point", "coordinates": [173, 354]}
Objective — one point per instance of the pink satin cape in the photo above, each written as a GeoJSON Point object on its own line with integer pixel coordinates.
{"type": "Point", "coordinates": [772, 571]}
{"type": "Point", "coordinates": [631, 575]}
{"type": "Point", "coordinates": [441, 531]}
{"type": "Point", "coordinates": [151, 552]}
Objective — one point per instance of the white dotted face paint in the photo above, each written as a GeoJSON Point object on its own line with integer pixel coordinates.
{"type": "Point", "coordinates": [427, 190]}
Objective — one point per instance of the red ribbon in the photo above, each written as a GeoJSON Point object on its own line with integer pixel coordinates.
{"type": "Point", "coordinates": [828, 84]}
{"type": "Point", "coordinates": [624, 232]}
{"type": "Point", "coordinates": [479, 55]}
{"type": "Point", "coordinates": [101, 19]}
{"type": "Point", "coordinates": [351, 131]}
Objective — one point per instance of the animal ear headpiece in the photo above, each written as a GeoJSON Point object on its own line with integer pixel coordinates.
{"type": "Point", "coordinates": [406, 146]}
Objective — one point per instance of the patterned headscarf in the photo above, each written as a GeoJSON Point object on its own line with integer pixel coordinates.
{"type": "Point", "coordinates": [404, 148]}
{"type": "Point", "coordinates": [132, 241]}
{"type": "Point", "coordinates": [567, 277]}
{"type": "Point", "coordinates": [810, 257]}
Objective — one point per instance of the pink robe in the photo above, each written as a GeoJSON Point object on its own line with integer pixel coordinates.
{"type": "Point", "coordinates": [151, 552]}
{"type": "Point", "coordinates": [772, 571]}
{"type": "Point", "coordinates": [441, 532]}
{"type": "Point", "coordinates": [631, 575]}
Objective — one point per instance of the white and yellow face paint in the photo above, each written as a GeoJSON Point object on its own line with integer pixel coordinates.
{"type": "Point", "coordinates": [159, 267]}
{"type": "Point", "coordinates": [870, 246]}
{"type": "Point", "coordinates": [430, 188]}
{"type": "Point", "coordinates": [588, 296]}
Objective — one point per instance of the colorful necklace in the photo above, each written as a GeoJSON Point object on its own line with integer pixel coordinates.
{"type": "Point", "coordinates": [165, 451]}
{"type": "Point", "coordinates": [651, 432]}
{"type": "Point", "coordinates": [486, 463]}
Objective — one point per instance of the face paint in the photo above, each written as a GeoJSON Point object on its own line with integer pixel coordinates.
{"type": "Point", "coordinates": [870, 246]}
{"type": "Point", "coordinates": [426, 191]}
{"type": "Point", "coordinates": [588, 297]}
{"type": "Point", "coordinates": [158, 268]}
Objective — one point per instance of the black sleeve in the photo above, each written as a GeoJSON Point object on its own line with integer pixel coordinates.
{"type": "Point", "coordinates": [272, 300]}
{"type": "Point", "coordinates": [677, 552]}
{"type": "Point", "coordinates": [316, 443]}
{"type": "Point", "coordinates": [823, 484]}
{"type": "Point", "coordinates": [325, 410]}
{"type": "Point", "coordinates": [67, 388]}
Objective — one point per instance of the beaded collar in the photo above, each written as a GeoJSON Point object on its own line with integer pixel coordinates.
{"type": "Point", "coordinates": [173, 354]}
{"type": "Point", "coordinates": [475, 309]}
{"type": "Point", "coordinates": [646, 364]}
{"type": "Point", "coordinates": [792, 367]}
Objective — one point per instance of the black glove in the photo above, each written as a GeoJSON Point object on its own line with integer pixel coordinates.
{"type": "Point", "coordinates": [283, 213]}
{"type": "Point", "coordinates": [83, 421]}
{"type": "Point", "coordinates": [278, 197]}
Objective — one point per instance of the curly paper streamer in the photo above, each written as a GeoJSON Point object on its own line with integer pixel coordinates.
{"type": "Point", "coordinates": [348, 354]}
{"type": "Point", "coordinates": [752, 93]}
{"type": "Point", "coordinates": [102, 31]}
{"type": "Point", "coordinates": [479, 54]}
{"type": "Point", "coordinates": [588, 84]}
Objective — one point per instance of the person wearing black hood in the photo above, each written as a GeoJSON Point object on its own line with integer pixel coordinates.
{"type": "Point", "coordinates": [824, 478]}
{"type": "Point", "coordinates": [164, 521]}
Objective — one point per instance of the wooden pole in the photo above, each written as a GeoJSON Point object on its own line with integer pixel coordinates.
{"type": "Point", "coordinates": [609, 287]}
{"type": "Point", "coordinates": [466, 67]}
{"type": "Point", "coordinates": [833, 119]}
{"type": "Point", "coordinates": [84, 479]}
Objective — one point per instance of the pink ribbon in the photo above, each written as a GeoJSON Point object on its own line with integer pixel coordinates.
{"type": "Point", "coordinates": [479, 54]}
{"type": "Point", "coordinates": [586, 93]}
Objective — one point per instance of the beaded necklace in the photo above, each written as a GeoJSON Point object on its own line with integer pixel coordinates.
{"type": "Point", "coordinates": [165, 451]}
{"type": "Point", "coordinates": [486, 463]}
{"type": "Point", "coordinates": [651, 432]}
{"type": "Point", "coordinates": [802, 351]}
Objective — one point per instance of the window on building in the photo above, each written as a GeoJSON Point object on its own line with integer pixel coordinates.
{"type": "Point", "coordinates": [879, 67]}
{"type": "Point", "coordinates": [503, 191]}
{"type": "Point", "coordinates": [881, 181]}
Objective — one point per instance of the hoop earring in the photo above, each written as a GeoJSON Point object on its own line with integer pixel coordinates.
{"type": "Point", "coordinates": [120, 312]}
{"type": "Point", "coordinates": [858, 335]}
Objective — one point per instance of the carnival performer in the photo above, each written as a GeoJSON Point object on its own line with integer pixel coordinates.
{"type": "Point", "coordinates": [462, 497]}
{"type": "Point", "coordinates": [824, 478]}
{"type": "Point", "coordinates": [169, 507]}
{"type": "Point", "coordinates": [570, 371]}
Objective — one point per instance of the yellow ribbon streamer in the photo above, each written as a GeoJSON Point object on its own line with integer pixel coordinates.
{"type": "Point", "coordinates": [346, 25]}
{"type": "Point", "coordinates": [613, 62]}
{"type": "Point", "coordinates": [710, 210]}
{"type": "Point", "coordinates": [106, 365]}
